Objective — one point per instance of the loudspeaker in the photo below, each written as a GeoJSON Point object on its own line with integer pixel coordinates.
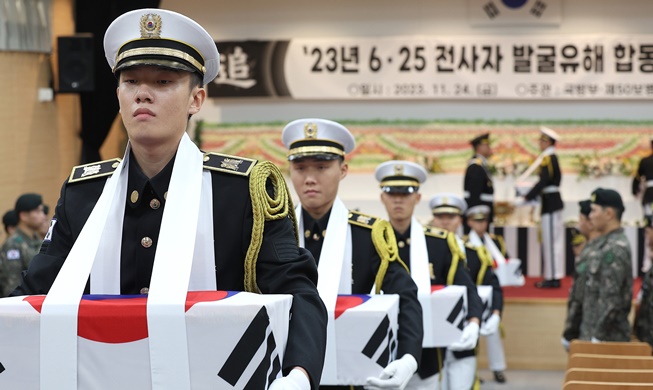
{"type": "Point", "coordinates": [76, 65]}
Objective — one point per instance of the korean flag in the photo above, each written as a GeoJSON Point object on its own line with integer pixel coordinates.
{"type": "Point", "coordinates": [503, 13]}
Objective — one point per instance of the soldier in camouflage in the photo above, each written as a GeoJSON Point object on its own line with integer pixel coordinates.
{"type": "Point", "coordinates": [584, 240]}
{"type": "Point", "coordinates": [23, 244]}
{"type": "Point", "coordinates": [644, 316]}
{"type": "Point", "coordinates": [609, 286]}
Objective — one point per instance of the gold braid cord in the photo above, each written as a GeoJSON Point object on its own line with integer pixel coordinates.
{"type": "Point", "coordinates": [385, 243]}
{"type": "Point", "coordinates": [265, 208]}
{"type": "Point", "coordinates": [486, 260]}
{"type": "Point", "coordinates": [456, 256]}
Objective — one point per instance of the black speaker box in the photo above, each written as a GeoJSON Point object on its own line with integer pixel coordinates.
{"type": "Point", "coordinates": [75, 62]}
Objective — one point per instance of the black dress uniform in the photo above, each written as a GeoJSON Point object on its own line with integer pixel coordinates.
{"type": "Point", "coordinates": [550, 177]}
{"type": "Point", "coordinates": [644, 172]}
{"type": "Point", "coordinates": [478, 185]}
{"type": "Point", "coordinates": [365, 265]}
{"type": "Point", "coordinates": [282, 267]}
{"type": "Point", "coordinates": [441, 263]}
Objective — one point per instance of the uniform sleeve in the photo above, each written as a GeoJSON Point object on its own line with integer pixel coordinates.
{"type": "Point", "coordinates": [612, 302]}
{"type": "Point", "coordinates": [574, 310]}
{"type": "Point", "coordinates": [545, 178]}
{"type": "Point", "coordinates": [284, 268]}
{"type": "Point", "coordinates": [462, 277]}
{"type": "Point", "coordinates": [411, 329]}
{"type": "Point", "coordinates": [45, 266]}
{"type": "Point", "coordinates": [491, 279]}
{"type": "Point", "coordinates": [636, 179]}
{"type": "Point", "coordinates": [474, 183]}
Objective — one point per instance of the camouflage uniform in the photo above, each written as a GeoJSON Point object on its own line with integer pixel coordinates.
{"type": "Point", "coordinates": [644, 319]}
{"type": "Point", "coordinates": [15, 256]}
{"type": "Point", "coordinates": [608, 290]}
{"type": "Point", "coordinates": [576, 292]}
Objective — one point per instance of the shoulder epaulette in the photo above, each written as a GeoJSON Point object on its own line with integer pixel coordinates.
{"type": "Point", "coordinates": [360, 219]}
{"type": "Point", "coordinates": [476, 161]}
{"type": "Point", "coordinates": [228, 164]}
{"type": "Point", "coordinates": [545, 161]}
{"type": "Point", "coordinates": [470, 246]}
{"type": "Point", "coordinates": [93, 170]}
{"type": "Point", "coordinates": [435, 232]}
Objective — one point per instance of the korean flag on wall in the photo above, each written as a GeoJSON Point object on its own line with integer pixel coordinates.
{"type": "Point", "coordinates": [503, 13]}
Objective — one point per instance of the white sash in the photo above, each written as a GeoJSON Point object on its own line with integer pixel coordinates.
{"type": "Point", "coordinates": [170, 277]}
{"type": "Point", "coordinates": [419, 271]}
{"type": "Point", "coordinates": [334, 270]}
{"type": "Point", "coordinates": [547, 152]}
{"type": "Point", "coordinates": [495, 251]}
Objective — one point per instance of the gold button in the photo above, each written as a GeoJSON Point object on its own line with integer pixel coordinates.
{"type": "Point", "coordinates": [146, 242]}
{"type": "Point", "coordinates": [155, 204]}
{"type": "Point", "coordinates": [401, 244]}
{"type": "Point", "coordinates": [134, 196]}
{"type": "Point", "coordinates": [115, 165]}
{"type": "Point", "coordinates": [145, 290]}
{"type": "Point", "coordinates": [206, 158]}
{"type": "Point", "coordinates": [307, 233]}
{"type": "Point", "coordinates": [315, 237]}
{"type": "Point", "coordinates": [408, 241]}
{"type": "Point", "coordinates": [165, 195]}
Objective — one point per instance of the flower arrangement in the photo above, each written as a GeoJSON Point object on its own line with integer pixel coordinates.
{"type": "Point", "coordinates": [509, 164]}
{"type": "Point", "coordinates": [593, 165]}
{"type": "Point", "coordinates": [432, 164]}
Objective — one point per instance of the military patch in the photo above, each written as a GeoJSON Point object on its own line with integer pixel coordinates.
{"type": "Point", "coordinates": [48, 235]}
{"type": "Point", "coordinates": [93, 170]}
{"type": "Point", "coordinates": [13, 254]}
{"type": "Point", "coordinates": [360, 219]}
{"type": "Point", "coordinates": [229, 164]}
{"type": "Point", "coordinates": [609, 257]}
{"type": "Point", "coordinates": [435, 232]}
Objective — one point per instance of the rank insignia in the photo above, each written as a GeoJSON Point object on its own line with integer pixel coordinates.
{"type": "Point", "coordinates": [360, 219]}
{"type": "Point", "coordinates": [93, 170]}
{"type": "Point", "coordinates": [229, 164]}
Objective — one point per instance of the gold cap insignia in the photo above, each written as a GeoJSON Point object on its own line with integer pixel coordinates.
{"type": "Point", "coordinates": [593, 198]}
{"type": "Point", "coordinates": [150, 26]}
{"type": "Point", "coordinates": [445, 200]}
{"type": "Point", "coordinates": [399, 169]}
{"type": "Point", "coordinates": [310, 130]}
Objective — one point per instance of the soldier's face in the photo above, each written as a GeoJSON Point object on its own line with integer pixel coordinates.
{"type": "Point", "coordinates": [449, 222]}
{"type": "Point", "coordinates": [155, 104]}
{"type": "Point", "coordinates": [484, 150]}
{"type": "Point", "coordinates": [585, 225]}
{"type": "Point", "coordinates": [400, 206]}
{"type": "Point", "coordinates": [599, 217]}
{"type": "Point", "coordinates": [34, 219]}
{"type": "Point", "coordinates": [316, 182]}
{"type": "Point", "coordinates": [479, 226]}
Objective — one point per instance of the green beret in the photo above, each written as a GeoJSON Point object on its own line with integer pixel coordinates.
{"type": "Point", "coordinates": [607, 198]}
{"type": "Point", "coordinates": [585, 207]}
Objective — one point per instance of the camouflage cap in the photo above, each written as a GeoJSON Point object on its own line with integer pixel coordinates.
{"type": "Point", "coordinates": [607, 198]}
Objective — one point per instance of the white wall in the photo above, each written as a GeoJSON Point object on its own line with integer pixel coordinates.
{"type": "Point", "coordinates": [286, 19]}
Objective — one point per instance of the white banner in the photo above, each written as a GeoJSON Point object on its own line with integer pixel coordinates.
{"type": "Point", "coordinates": [578, 67]}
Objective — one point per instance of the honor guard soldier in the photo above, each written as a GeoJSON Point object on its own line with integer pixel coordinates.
{"type": "Point", "coordinates": [162, 61]}
{"type": "Point", "coordinates": [342, 241]}
{"type": "Point", "coordinates": [609, 286]}
{"type": "Point", "coordinates": [478, 221]}
{"type": "Point", "coordinates": [552, 226]}
{"type": "Point", "coordinates": [24, 243]}
{"type": "Point", "coordinates": [478, 179]}
{"type": "Point", "coordinates": [643, 186]}
{"type": "Point", "coordinates": [432, 255]}
{"type": "Point", "coordinates": [460, 363]}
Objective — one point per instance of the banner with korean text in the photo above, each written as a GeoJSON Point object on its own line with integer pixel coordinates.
{"type": "Point", "coordinates": [537, 67]}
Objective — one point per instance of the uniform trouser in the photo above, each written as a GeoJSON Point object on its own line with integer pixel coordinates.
{"type": "Point", "coordinates": [458, 374]}
{"type": "Point", "coordinates": [430, 383]}
{"type": "Point", "coordinates": [553, 249]}
{"type": "Point", "coordinates": [495, 355]}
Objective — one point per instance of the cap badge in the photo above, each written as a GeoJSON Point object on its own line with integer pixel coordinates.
{"type": "Point", "coordinates": [150, 26]}
{"type": "Point", "coordinates": [399, 170]}
{"type": "Point", "coordinates": [593, 198]}
{"type": "Point", "coordinates": [445, 200]}
{"type": "Point", "coordinates": [310, 130]}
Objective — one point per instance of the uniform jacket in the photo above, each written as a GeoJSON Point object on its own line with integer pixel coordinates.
{"type": "Point", "coordinates": [609, 289]}
{"type": "Point", "coordinates": [576, 292]}
{"type": "Point", "coordinates": [550, 175]}
{"type": "Point", "coordinates": [440, 263]}
{"type": "Point", "coordinates": [644, 319]}
{"type": "Point", "coordinates": [478, 184]}
{"type": "Point", "coordinates": [282, 267]}
{"type": "Point", "coordinates": [644, 172]}
{"type": "Point", "coordinates": [15, 256]}
{"type": "Point", "coordinates": [365, 265]}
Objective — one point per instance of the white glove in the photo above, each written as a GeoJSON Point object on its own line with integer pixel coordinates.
{"type": "Point", "coordinates": [491, 325]}
{"type": "Point", "coordinates": [519, 201]}
{"type": "Point", "coordinates": [468, 339]}
{"type": "Point", "coordinates": [295, 380]}
{"type": "Point", "coordinates": [595, 340]}
{"type": "Point", "coordinates": [565, 344]}
{"type": "Point", "coordinates": [395, 375]}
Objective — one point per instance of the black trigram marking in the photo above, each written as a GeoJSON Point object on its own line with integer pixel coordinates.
{"type": "Point", "coordinates": [382, 332]}
{"type": "Point", "coordinates": [455, 312]}
{"type": "Point", "coordinates": [2, 368]}
{"type": "Point", "coordinates": [491, 10]}
{"type": "Point", "coordinates": [245, 350]}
